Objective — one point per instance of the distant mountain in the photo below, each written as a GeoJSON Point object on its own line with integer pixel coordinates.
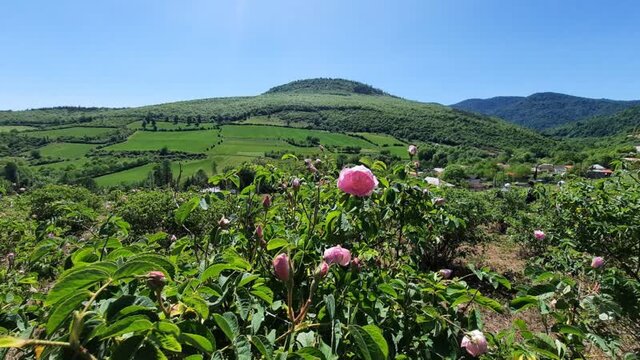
{"type": "Point", "coordinates": [326, 86]}
{"type": "Point", "coordinates": [544, 110]}
{"type": "Point", "coordinates": [622, 122]}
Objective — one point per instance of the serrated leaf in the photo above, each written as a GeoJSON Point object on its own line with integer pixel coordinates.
{"type": "Point", "coordinates": [64, 308]}
{"type": "Point", "coordinates": [370, 342]}
{"type": "Point", "coordinates": [228, 323]}
{"type": "Point", "coordinates": [197, 341]}
{"type": "Point", "coordinates": [130, 324]}
{"type": "Point", "coordinates": [183, 212]}
{"type": "Point", "coordinates": [276, 243]}
{"type": "Point", "coordinates": [161, 261]}
{"type": "Point", "coordinates": [267, 352]}
{"type": "Point", "coordinates": [137, 268]}
{"type": "Point", "coordinates": [75, 281]}
{"type": "Point", "coordinates": [198, 304]}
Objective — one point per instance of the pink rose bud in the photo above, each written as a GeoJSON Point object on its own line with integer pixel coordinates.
{"type": "Point", "coordinates": [173, 238]}
{"type": "Point", "coordinates": [597, 262]}
{"type": "Point", "coordinates": [322, 270]}
{"type": "Point", "coordinates": [223, 223]}
{"type": "Point", "coordinates": [413, 150]}
{"type": "Point", "coordinates": [266, 201]}
{"type": "Point", "coordinates": [281, 267]}
{"type": "Point", "coordinates": [295, 184]}
{"type": "Point", "coordinates": [11, 258]}
{"type": "Point", "coordinates": [539, 234]}
{"type": "Point", "coordinates": [439, 201]}
{"type": "Point", "coordinates": [445, 273]}
{"type": "Point", "coordinates": [358, 181]}
{"type": "Point", "coordinates": [356, 264]}
{"type": "Point", "coordinates": [156, 280]}
{"type": "Point", "coordinates": [259, 232]}
{"type": "Point", "coordinates": [475, 343]}
{"type": "Point", "coordinates": [337, 255]}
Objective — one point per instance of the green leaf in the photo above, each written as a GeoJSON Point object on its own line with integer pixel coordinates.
{"type": "Point", "coordinates": [370, 342]}
{"type": "Point", "coordinates": [128, 348]}
{"type": "Point", "coordinates": [166, 341]}
{"type": "Point", "coordinates": [213, 271]}
{"type": "Point", "coordinates": [161, 261]}
{"type": "Point", "coordinates": [198, 304]}
{"type": "Point", "coordinates": [289, 156]}
{"type": "Point", "coordinates": [522, 302]}
{"type": "Point", "coordinates": [168, 327]}
{"type": "Point", "coordinates": [267, 353]}
{"type": "Point", "coordinates": [73, 282]}
{"type": "Point", "coordinates": [228, 324]}
{"type": "Point", "coordinates": [276, 243]}
{"type": "Point", "coordinates": [10, 341]}
{"type": "Point", "coordinates": [568, 329]}
{"type": "Point", "coordinates": [137, 268]}
{"type": "Point", "coordinates": [242, 347]}
{"type": "Point", "coordinates": [330, 302]}
{"type": "Point", "coordinates": [130, 324]}
{"type": "Point", "coordinates": [199, 342]}
{"type": "Point", "coordinates": [64, 308]}
{"type": "Point", "coordinates": [389, 290]}
{"type": "Point", "coordinates": [185, 210]}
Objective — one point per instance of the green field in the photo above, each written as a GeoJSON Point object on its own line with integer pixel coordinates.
{"type": "Point", "coordinates": [66, 150]}
{"type": "Point", "coordinates": [73, 132]}
{"type": "Point", "coordinates": [8, 128]}
{"type": "Point", "coordinates": [189, 141]}
{"type": "Point", "coordinates": [137, 125]}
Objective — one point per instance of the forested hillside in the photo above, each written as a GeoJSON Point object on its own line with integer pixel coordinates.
{"type": "Point", "coordinates": [623, 122]}
{"type": "Point", "coordinates": [543, 110]}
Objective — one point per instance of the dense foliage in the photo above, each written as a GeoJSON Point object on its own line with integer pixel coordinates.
{"type": "Point", "coordinates": [285, 264]}
{"type": "Point", "coordinates": [544, 110]}
{"type": "Point", "coordinates": [623, 122]}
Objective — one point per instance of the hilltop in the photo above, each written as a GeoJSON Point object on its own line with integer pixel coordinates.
{"type": "Point", "coordinates": [622, 122]}
{"type": "Point", "coordinates": [544, 110]}
{"type": "Point", "coordinates": [327, 86]}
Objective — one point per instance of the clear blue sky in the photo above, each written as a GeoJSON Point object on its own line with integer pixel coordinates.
{"type": "Point", "coordinates": [137, 52]}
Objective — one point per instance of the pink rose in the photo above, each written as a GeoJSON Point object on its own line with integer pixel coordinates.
{"type": "Point", "coordinates": [539, 235]}
{"type": "Point", "coordinates": [475, 343]}
{"type": "Point", "coordinates": [445, 273]}
{"type": "Point", "coordinates": [597, 262]}
{"type": "Point", "coordinates": [322, 270]}
{"type": "Point", "coordinates": [337, 255]}
{"type": "Point", "coordinates": [357, 181]}
{"type": "Point", "coordinates": [156, 280]}
{"type": "Point", "coordinates": [282, 267]}
{"type": "Point", "coordinates": [413, 150]}
{"type": "Point", "coordinates": [259, 231]}
{"type": "Point", "coordinates": [266, 201]}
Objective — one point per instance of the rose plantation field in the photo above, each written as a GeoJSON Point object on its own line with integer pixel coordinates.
{"type": "Point", "coordinates": [303, 259]}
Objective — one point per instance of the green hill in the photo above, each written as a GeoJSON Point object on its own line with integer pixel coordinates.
{"type": "Point", "coordinates": [544, 110]}
{"type": "Point", "coordinates": [328, 86]}
{"type": "Point", "coordinates": [619, 123]}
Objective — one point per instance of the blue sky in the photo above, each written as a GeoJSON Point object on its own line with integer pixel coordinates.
{"type": "Point", "coordinates": [137, 52]}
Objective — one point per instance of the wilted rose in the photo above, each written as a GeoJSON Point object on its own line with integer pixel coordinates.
{"type": "Point", "coordinates": [266, 201]}
{"type": "Point", "coordinates": [413, 150]}
{"type": "Point", "coordinates": [439, 201]}
{"type": "Point", "coordinates": [295, 184]}
{"type": "Point", "coordinates": [223, 223]}
{"type": "Point", "coordinates": [475, 343]}
{"type": "Point", "coordinates": [357, 181]}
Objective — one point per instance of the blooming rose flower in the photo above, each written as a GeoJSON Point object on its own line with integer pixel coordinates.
{"type": "Point", "coordinates": [156, 279]}
{"type": "Point", "coordinates": [281, 267]}
{"type": "Point", "coordinates": [475, 343]}
{"type": "Point", "coordinates": [597, 262]}
{"type": "Point", "coordinates": [539, 234]}
{"type": "Point", "coordinates": [337, 255]}
{"type": "Point", "coordinates": [445, 273]}
{"type": "Point", "coordinates": [357, 181]}
{"type": "Point", "coordinates": [413, 150]}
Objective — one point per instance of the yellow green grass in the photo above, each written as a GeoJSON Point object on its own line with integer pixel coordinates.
{"type": "Point", "coordinates": [74, 132]}
{"type": "Point", "coordinates": [65, 150]}
{"type": "Point", "coordinates": [8, 128]}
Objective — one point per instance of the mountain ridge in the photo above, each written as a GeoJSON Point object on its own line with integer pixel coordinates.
{"type": "Point", "coordinates": [544, 110]}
